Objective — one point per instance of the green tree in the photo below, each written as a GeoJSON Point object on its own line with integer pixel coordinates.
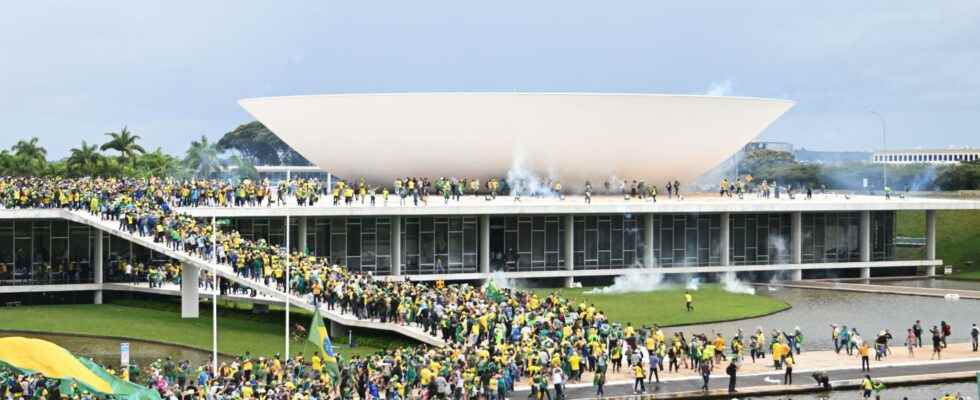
{"type": "Point", "coordinates": [963, 176]}
{"type": "Point", "coordinates": [243, 169]}
{"type": "Point", "coordinates": [203, 159]}
{"type": "Point", "coordinates": [258, 144]}
{"type": "Point", "coordinates": [157, 163]}
{"type": "Point", "coordinates": [125, 143]}
{"type": "Point", "coordinates": [84, 160]}
{"type": "Point", "coordinates": [29, 158]}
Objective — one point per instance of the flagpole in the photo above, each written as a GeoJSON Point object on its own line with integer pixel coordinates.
{"type": "Point", "coordinates": [214, 298]}
{"type": "Point", "coordinates": [287, 286]}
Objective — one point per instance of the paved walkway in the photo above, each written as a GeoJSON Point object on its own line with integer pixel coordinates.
{"type": "Point", "coordinates": [761, 378]}
{"type": "Point", "coordinates": [881, 289]}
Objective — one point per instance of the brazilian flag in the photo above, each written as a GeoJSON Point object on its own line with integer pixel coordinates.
{"type": "Point", "coordinates": [28, 356]}
{"type": "Point", "coordinates": [491, 291]}
{"type": "Point", "coordinates": [321, 339]}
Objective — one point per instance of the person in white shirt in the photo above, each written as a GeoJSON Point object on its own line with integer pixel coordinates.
{"type": "Point", "coordinates": [558, 379]}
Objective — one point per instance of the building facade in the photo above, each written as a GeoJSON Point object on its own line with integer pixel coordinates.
{"type": "Point", "coordinates": [926, 156]}
{"type": "Point", "coordinates": [53, 251]}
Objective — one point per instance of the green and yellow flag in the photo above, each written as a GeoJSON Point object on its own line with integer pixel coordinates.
{"type": "Point", "coordinates": [28, 356]}
{"type": "Point", "coordinates": [321, 339]}
{"type": "Point", "coordinates": [491, 291]}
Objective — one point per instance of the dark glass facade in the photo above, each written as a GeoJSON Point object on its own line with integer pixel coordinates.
{"type": "Point", "coordinates": [54, 251]}
{"type": "Point", "coordinates": [760, 239]}
{"type": "Point", "coordinates": [527, 243]}
{"type": "Point", "coordinates": [608, 241]}
{"type": "Point", "coordinates": [686, 240]}
{"type": "Point", "coordinates": [440, 245]}
{"type": "Point", "coordinates": [45, 252]}
{"type": "Point", "coordinates": [836, 237]}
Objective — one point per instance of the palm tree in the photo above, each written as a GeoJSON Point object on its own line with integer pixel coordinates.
{"type": "Point", "coordinates": [125, 143]}
{"type": "Point", "coordinates": [157, 163]}
{"type": "Point", "coordinates": [29, 150]}
{"type": "Point", "coordinates": [84, 159]}
{"type": "Point", "coordinates": [29, 158]}
{"type": "Point", "coordinates": [202, 158]}
{"type": "Point", "coordinates": [243, 168]}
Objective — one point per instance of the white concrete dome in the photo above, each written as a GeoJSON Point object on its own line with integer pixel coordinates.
{"type": "Point", "coordinates": [568, 136]}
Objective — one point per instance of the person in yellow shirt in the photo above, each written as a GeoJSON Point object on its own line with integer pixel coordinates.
{"type": "Point", "coordinates": [689, 300]}
{"type": "Point", "coordinates": [719, 344]}
{"type": "Point", "coordinates": [575, 365]}
{"type": "Point", "coordinates": [316, 362]}
{"type": "Point", "coordinates": [639, 374]}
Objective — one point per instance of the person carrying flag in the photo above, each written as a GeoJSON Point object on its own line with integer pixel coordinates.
{"type": "Point", "coordinates": [321, 339]}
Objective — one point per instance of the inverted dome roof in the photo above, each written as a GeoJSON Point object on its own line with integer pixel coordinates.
{"type": "Point", "coordinates": [569, 136]}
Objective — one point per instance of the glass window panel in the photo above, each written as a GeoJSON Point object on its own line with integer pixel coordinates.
{"type": "Point", "coordinates": [456, 248]}
{"type": "Point", "coordinates": [537, 246]}
{"type": "Point", "coordinates": [427, 248]}
{"type": "Point", "coordinates": [524, 237]}
{"type": "Point", "coordinates": [442, 238]}
{"type": "Point", "coordinates": [604, 235]}
{"type": "Point", "coordinates": [353, 240]}
{"type": "Point", "coordinates": [368, 253]}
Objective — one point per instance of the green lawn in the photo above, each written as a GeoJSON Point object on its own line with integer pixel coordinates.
{"type": "Point", "coordinates": [239, 330]}
{"type": "Point", "coordinates": [957, 238]}
{"type": "Point", "coordinates": [666, 307]}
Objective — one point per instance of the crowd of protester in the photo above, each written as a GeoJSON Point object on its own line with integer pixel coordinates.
{"type": "Point", "coordinates": [495, 338]}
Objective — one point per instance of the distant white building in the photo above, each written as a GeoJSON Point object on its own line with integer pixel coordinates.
{"type": "Point", "coordinates": [926, 156]}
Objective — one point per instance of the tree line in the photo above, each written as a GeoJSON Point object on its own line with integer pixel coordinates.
{"type": "Point", "coordinates": [122, 155]}
{"type": "Point", "coordinates": [782, 167]}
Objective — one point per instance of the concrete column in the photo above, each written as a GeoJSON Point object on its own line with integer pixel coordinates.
{"type": "Point", "coordinates": [796, 244]}
{"type": "Point", "coordinates": [569, 221]}
{"type": "Point", "coordinates": [865, 243]}
{"type": "Point", "coordinates": [190, 296]}
{"type": "Point", "coordinates": [301, 227]}
{"type": "Point", "coordinates": [931, 240]}
{"type": "Point", "coordinates": [338, 330]}
{"type": "Point", "coordinates": [725, 239]}
{"type": "Point", "coordinates": [485, 244]}
{"type": "Point", "coordinates": [96, 262]}
{"type": "Point", "coordinates": [396, 245]}
{"type": "Point", "coordinates": [648, 261]}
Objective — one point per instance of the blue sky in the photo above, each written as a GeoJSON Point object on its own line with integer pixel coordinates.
{"type": "Point", "coordinates": [173, 70]}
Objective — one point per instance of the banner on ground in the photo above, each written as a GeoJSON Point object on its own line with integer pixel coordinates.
{"type": "Point", "coordinates": [30, 356]}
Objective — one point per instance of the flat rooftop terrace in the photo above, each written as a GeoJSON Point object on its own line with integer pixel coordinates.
{"type": "Point", "coordinates": [506, 205]}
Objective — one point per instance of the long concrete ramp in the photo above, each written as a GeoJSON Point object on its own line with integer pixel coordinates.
{"type": "Point", "coordinates": [226, 272]}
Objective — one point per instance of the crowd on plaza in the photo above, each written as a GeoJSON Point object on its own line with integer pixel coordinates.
{"type": "Point", "coordinates": [496, 338]}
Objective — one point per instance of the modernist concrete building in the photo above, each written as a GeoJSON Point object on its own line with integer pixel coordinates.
{"type": "Point", "coordinates": [584, 136]}
{"type": "Point", "coordinates": [926, 156]}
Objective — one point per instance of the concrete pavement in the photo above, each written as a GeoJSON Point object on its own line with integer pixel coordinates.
{"type": "Point", "coordinates": [761, 378]}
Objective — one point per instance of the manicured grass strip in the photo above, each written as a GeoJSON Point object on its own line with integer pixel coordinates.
{"type": "Point", "coordinates": [666, 307]}
{"type": "Point", "coordinates": [957, 238]}
{"type": "Point", "coordinates": [239, 330]}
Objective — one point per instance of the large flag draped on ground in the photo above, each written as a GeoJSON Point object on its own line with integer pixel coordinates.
{"type": "Point", "coordinates": [28, 356]}
{"type": "Point", "coordinates": [491, 291]}
{"type": "Point", "coordinates": [321, 339]}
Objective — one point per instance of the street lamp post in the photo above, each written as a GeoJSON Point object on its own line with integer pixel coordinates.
{"type": "Point", "coordinates": [287, 286]}
{"type": "Point", "coordinates": [884, 148]}
{"type": "Point", "coordinates": [214, 297]}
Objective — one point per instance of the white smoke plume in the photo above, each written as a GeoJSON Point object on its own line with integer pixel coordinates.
{"type": "Point", "coordinates": [524, 181]}
{"type": "Point", "coordinates": [778, 243]}
{"type": "Point", "coordinates": [693, 284]}
{"type": "Point", "coordinates": [501, 281]}
{"type": "Point", "coordinates": [730, 283]}
{"type": "Point", "coordinates": [637, 280]}
{"type": "Point", "coordinates": [720, 88]}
